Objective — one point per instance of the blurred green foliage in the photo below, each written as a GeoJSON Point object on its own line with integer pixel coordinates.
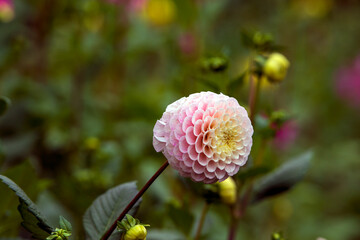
{"type": "Point", "coordinates": [87, 80]}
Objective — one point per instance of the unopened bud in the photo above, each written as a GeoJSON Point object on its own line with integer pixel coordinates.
{"type": "Point", "coordinates": [227, 191]}
{"type": "Point", "coordinates": [276, 67]}
{"type": "Point", "coordinates": [92, 143]}
{"type": "Point", "coordinates": [137, 232]}
{"type": "Point", "coordinates": [59, 234]}
{"type": "Point", "coordinates": [160, 12]}
{"type": "Point", "coordinates": [132, 229]}
{"type": "Point", "coordinates": [214, 64]}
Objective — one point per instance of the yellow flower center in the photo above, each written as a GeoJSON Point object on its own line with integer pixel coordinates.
{"type": "Point", "coordinates": [225, 140]}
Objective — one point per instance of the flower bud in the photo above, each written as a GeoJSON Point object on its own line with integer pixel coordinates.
{"type": "Point", "coordinates": [275, 67]}
{"type": "Point", "coordinates": [92, 143]}
{"type": "Point", "coordinates": [160, 12]}
{"type": "Point", "coordinates": [227, 191]}
{"type": "Point", "coordinates": [137, 232]}
{"type": "Point", "coordinates": [59, 234]}
{"type": "Point", "coordinates": [132, 229]}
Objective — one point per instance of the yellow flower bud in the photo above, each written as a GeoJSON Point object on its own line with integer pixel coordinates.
{"type": "Point", "coordinates": [275, 67]}
{"type": "Point", "coordinates": [137, 232]}
{"type": "Point", "coordinates": [160, 12]}
{"type": "Point", "coordinates": [227, 191]}
{"type": "Point", "coordinates": [92, 143]}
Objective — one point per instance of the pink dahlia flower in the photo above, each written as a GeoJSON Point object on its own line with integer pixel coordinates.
{"type": "Point", "coordinates": [205, 136]}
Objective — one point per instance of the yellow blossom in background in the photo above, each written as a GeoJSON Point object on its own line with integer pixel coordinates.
{"type": "Point", "coordinates": [275, 67]}
{"type": "Point", "coordinates": [137, 232]}
{"type": "Point", "coordinates": [312, 8]}
{"type": "Point", "coordinates": [92, 143]}
{"type": "Point", "coordinates": [160, 12]}
{"type": "Point", "coordinates": [244, 69]}
{"type": "Point", "coordinates": [227, 191]}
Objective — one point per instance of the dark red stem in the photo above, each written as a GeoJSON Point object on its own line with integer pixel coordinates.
{"type": "Point", "coordinates": [135, 199]}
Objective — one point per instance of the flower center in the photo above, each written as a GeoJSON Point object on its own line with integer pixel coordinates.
{"type": "Point", "coordinates": [226, 140]}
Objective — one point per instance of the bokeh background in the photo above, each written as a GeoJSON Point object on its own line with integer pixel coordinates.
{"type": "Point", "coordinates": [88, 78]}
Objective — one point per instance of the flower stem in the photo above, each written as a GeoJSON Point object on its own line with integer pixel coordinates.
{"type": "Point", "coordinates": [233, 227]}
{"type": "Point", "coordinates": [134, 200]}
{"type": "Point", "coordinates": [253, 95]}
{"type": "Point", "coordinates": [202, 219]}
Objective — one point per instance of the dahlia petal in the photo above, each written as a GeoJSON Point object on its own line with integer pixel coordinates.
{"type": "Point", "coordinates": [197, 115]}
{"type": "Point", "coordinates": [188, 161]}
{"type": "Point", "coordinates": [198, 168]}
{"type": "Point", "coordinates": [159, 128]}
{"type": "Point", "coordinates": [220, 173]}
{"type": "Point", "coordinates": [208, 151]}
{"type": "Point", "coordinates": [230, 167]}
{"type": "Point", "coordinates": [237, 167]}
{"type": "Point", "coordinates": [197, 177]}
{"type": "Point", "coordinates": [186, 124]}
{"type": "Point", "coordinates": [158, 145]}
{"type": "Point", "coordinates": [208, 174]}
{"type": "Point", "coordinates": [221, 165]}
{"type": "Point", "coordinates": [202, 159]}
{"type": "Point", "coordinates": [206, 124]}
{"type": "Point", "coordinates": [192, 152]}
{"type": "Point", "coordinates": [199, 143]}
{"type": "Point", "coordinates": [210, 181]}
{"type": "Point", "coordinates": [197, 127]}
{"type": "Point", "coordinates": [183, 144]}
{"type": "Point", "coordinates": [190, 137]}
{"type": "Point", "coordinates": [211, 167]}
{"type": "Point", "coordinates": [177, 153]}
{"type": "Point", "coordinates": [173, 139]}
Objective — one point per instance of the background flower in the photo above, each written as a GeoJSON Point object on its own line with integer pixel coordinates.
{"type": "Point", "coordinates": [348, 83]}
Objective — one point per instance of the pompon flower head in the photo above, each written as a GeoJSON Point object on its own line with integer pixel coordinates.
{"type": "Point", "coordinates": [205, 136]}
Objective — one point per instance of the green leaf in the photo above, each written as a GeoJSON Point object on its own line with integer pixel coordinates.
{"type": "Point", "coordinates": [65, 224]}
{"type": "Point", "coordinates": [283, 178]}
{"type": "Point", "coordinates": [4, 104]}
{"type": "Point", "coordinates": [33, 221]}
{"type": "Point", "coordinates": [106, 208]}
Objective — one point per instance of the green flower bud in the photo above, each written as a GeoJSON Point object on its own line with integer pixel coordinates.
{"type": "Point", "coordinates": [59, 234]}
{"type": "Point", "coordinates": [214, 64]}
{"type": "Point", "coordinates": [137, 232]}
{"type": "Point", "coordinates": [227, 191]}
{"type": "Point", "coordinates": [275, 67]}
{"type": "Point", "coordinates": [132, 229]}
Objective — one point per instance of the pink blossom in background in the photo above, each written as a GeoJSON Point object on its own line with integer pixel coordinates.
{"type": "Point", "coordinates": [205, 136]}
{"type": "Point", "coordinates": [187, 43]}
{"type": "Point", "coordinates": [5, 3]}
{"type": "Point", "coordinates": [6, 10]}
{"type": "Point", "coordinates": [286, 135]}
{"type": "Point", "coordinates": [348, 83]}
{"type": "Point", "coordinates": [132, 5]}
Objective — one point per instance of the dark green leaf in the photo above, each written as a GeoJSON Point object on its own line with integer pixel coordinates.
{"type": "Point", "coordinates": [65, 224]}
{"type": "Point", "coordinates": [283, 178]}
{"type": "Point", "coordinates": [106, 208]}
{"type": "Point", "coordinates": [33, 221]}
{"type": "Point", "coordinates": [4, 104]}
